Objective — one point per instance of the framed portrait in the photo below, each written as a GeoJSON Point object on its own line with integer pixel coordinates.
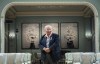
{"type": "Point", "coordinates": [54, 25]}
{"type": "Point", "coordinates": [30, 36]}
{"type": "Point", "coordinates": [69, 35]}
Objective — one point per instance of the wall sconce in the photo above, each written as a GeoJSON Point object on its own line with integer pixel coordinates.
{"type": "Point", "coordinates": [88, 34]}
{"type": "Point", "coordinates": [11, 35]}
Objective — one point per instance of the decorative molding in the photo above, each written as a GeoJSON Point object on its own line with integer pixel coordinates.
{"type": "Point", "coordinates": [10, 14]}
{"type": "Point", "coordinates": [85, 10]}
{"type": "Point", "coordinates": [1, 16]}
{"type": "Point", "coordinates": [49, 13]}
{"type": "Point", "coordinates": [86, 13]}
{"type": "Point", "coordinates": [13, 10]}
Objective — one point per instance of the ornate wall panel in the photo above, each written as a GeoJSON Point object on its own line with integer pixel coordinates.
{"type": "Point", "coordinates": [69, 35]}
{"type": "Point", "coordinates": [30, 34]}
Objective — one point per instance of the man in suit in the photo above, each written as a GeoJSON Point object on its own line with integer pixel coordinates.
{"type": "Point", "coordinates": [49, 45]}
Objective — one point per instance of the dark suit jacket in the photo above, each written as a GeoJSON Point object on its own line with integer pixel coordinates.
{"type": "Point", "coordinates": [53, 45]}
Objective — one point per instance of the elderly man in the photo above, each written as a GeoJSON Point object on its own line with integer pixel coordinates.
{"type": "Point", "coordinates": [49, 45]}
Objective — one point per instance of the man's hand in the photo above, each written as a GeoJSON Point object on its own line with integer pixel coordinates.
{"type": "Point", "coordinates": [47, 50]}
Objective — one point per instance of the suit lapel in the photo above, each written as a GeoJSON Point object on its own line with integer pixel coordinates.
{"type": "Point", "coordinates": [51, 39]}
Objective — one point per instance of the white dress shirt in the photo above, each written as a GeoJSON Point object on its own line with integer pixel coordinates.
{"type": "Point", "coordinates": [48, 40]}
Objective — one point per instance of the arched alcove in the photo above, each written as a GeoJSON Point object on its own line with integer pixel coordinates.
{"type": "Point", "coordinates": [49, 3]}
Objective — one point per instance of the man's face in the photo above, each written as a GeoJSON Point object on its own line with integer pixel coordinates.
{"type": "Point", "coordinates": [48, 31]}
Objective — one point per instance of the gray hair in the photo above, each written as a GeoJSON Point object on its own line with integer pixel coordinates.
{"type": "Point", "coordinates": [48, 26]}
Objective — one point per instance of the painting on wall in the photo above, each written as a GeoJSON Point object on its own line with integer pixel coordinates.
{"type": "Point", "coordinates": [30, 36]}
{"type": "Point", "coordinates": [54, 25]}
{"type": "Point", "coordinates": [69, 35]}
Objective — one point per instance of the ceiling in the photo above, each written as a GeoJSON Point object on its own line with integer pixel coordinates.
{"type": "Point", "coordinates": [49, 10]}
